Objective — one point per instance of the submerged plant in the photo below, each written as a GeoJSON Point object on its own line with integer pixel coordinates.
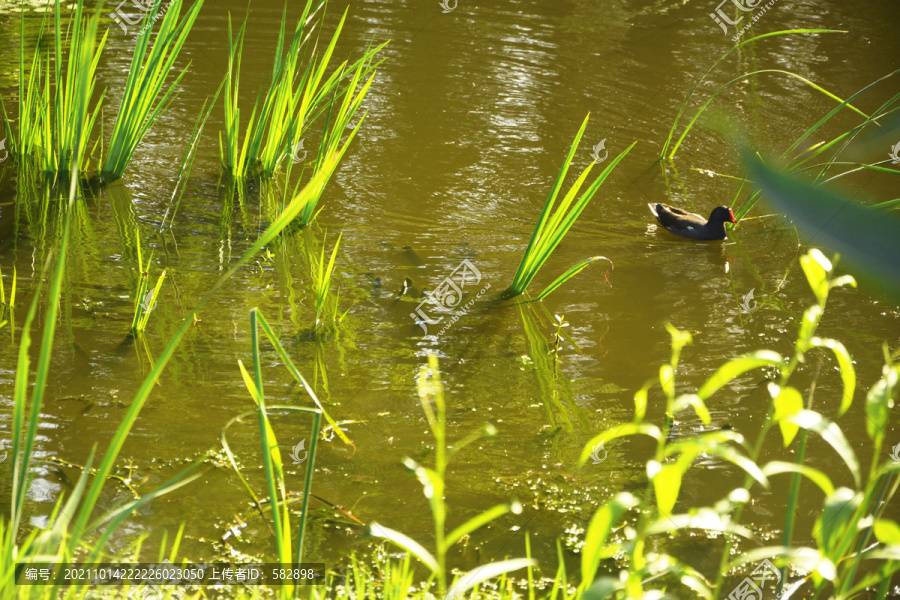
{"type": "Point", "coordinates": [151, 65]}
{"type": "Point", "coordinates": [541, 358]}
{"type": "Point", "coordinates": [431, 397]}
{"type": "Point", "coordinates": [554, 223]}
{"type": "Point", "coordinates": [845, 528]}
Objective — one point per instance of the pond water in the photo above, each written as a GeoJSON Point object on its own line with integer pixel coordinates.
{"type": "Point", "coordinates": [468, 120]}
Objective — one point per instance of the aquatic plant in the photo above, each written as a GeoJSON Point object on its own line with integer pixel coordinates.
{"type": "Point", "coordinates": [849, 518]}
{"type": "Point", "coordinates": [337, 122]}
{"type": "Point", "coordinates": [800, 161]}
{"type": "Point", "coordinates": [70, 521]}
{"type": "Point", "coordinates": [674, 147]}
{"type": "Point", "coordinates": [271, 455]}
{"type": "Point", "coordinates": [6, 307]}
{"type": "Point", "coordinates": [554, 223]}
{"type": "Point", "coordinates": [187, 163]}
{"type": "Point", "coordinates": [55, 114]}
{"type": "Point", "coordinates": [297, 93]}
{"type": "Point", "coordinates": [326, 304]}
{"type": "Point", "coordinates": [144, 99]}
{"type": "Point", "coordinates": [145, 302]}
{"type": "Point", "coordinates": [56, 92]}
{"type": "Point", "coordinates": [431, 397]}
{"type": "Point", "coordinates": [73, 523]}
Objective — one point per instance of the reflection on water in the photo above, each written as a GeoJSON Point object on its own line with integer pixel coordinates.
{"type": "Point", "coordinates": [468, 120]}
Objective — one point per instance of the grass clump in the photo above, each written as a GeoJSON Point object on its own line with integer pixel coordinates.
{"type": "Point", "coordinates": [57, 89]}
{"type": "Point", "coordinates": [554, 223]}
{"type": "Point", "coordinates": [144, 98]}
{"type": "Point", "coordinates": [298, 91]}
{"type": "Point", "coordinates": [56, 117]}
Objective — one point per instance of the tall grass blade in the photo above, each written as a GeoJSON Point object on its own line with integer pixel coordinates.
{"type": "Point", "coordinates": [841, 103]}
{"type": "Point", "coordinates": [187, 161]}
{"type": "Point", "coordinates": [572, 272]}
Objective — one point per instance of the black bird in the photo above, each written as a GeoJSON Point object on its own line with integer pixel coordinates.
{"type": "Point", "coordinates": [693, 226]}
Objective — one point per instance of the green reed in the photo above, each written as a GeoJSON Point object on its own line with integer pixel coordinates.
{"type": "Point", "coordinates": [720, 89]}
{"type": "Point", "coordinates": [554, 223]}
{"type": "Point", "coordinates": [798, 164]}
{"type": "Point", "coordinates": [146, 94]}
{"type": "Point", "coordinates": [145, 299]}
{"type": "Point", "coordinates": [326, 303]}
{"type": "Point", "coordinates": [272, 462]}
{"type": "Point", "coordinates": [298, 91]}
{"type": "Point", "coordinates": [431, 397]}
{"type": "Point", "coordinates": [187, 163]}
{"type": "Point", "coordinates": [6, 307]}
{"type": "Point", "coordinates": [55, 92]}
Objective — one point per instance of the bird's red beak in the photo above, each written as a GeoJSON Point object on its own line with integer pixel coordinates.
{"type": "Point", "coordinates": [731, 214]}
